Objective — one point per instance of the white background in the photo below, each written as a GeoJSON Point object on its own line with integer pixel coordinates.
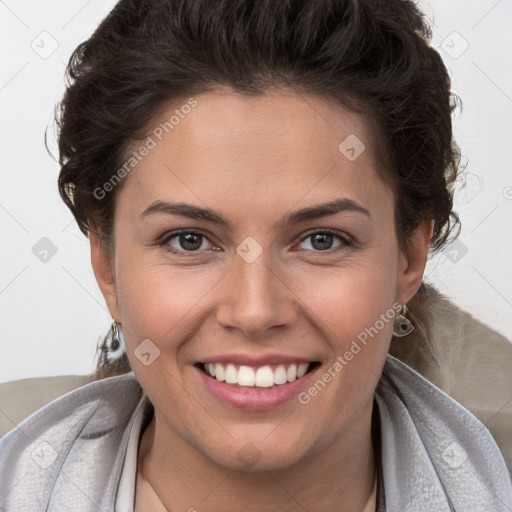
{"type": "Point", "coordinates": [52, 314]}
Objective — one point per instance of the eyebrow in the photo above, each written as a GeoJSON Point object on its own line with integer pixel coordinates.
{"type": "Point", "coordinates": [311, 212]}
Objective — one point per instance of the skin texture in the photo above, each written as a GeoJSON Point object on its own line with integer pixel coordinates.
{"type": "Point", "coordinates": [255, 160]}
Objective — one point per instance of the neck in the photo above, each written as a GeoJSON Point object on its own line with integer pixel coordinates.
{"type": "Point", "coordinates": [173, 475]}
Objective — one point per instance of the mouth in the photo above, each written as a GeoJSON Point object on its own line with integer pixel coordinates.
{"type": "Point", "coordinates": [255, 386]}
{"type": "Point", "coordinates": [255, 382]}
{"type": "Point", "coordinates": [269, 376]}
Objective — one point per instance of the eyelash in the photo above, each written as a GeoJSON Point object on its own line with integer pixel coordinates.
{"type": "Point", "coordinates": [347, 242]}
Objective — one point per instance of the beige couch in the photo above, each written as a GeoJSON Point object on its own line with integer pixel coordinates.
{"type": "Point", "coordinates": [20, 398]}
{"type": "Point", "coordinates": [474, 367]}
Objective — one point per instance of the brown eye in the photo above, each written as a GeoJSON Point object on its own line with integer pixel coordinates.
{"type": "Point", "coordinates": [322, 241]}
{"type": "Point", "coordinates": [185, 241]}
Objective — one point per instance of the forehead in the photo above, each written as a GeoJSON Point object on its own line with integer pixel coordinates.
{"type": "Point", "coordinates": [250, 151]}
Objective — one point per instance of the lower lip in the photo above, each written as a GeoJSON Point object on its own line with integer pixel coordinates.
{"type": "Point", "coordinates": [254, 398]}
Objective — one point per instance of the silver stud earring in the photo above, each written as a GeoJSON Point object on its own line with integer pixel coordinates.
{"type": "Point", "coordinates": [402, 326]}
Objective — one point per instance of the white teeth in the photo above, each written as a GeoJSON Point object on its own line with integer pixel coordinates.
{"type": "Point", "coordinates": [231, 375]}
{"type": "Point", "coordinates": [245, 376]}
{"type": "Point", "coordinates": [219, 372]}
{"type": "Point", "coordinates": [264, 377]}
{"type": "Point", "coordinates": [291, 373]}
{"type": "Point", "coordinates": [302, 369]}
{"type": "Point", "coordinates": [280, 375]}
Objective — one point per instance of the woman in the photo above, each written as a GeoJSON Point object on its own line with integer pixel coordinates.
{"type": "Point", "coordinates": [261, 185]}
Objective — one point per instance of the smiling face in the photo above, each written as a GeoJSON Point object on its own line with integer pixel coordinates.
{"type": "Point", "coordinates": [258, 278]}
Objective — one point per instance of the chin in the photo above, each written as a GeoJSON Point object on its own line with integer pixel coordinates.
{"type": "Point", "coordinates": [256, 456]}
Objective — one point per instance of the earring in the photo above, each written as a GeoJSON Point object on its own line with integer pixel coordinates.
{"type": "Point", "coordinates": [117, 337]}
{"type": "Point", "coordinates": [402, 326]}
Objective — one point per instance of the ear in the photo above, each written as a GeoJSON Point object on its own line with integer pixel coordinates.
{"type": "Point", "coordinates": [412, 265]}
{"type": "Point", "coordinates": [101, 266]}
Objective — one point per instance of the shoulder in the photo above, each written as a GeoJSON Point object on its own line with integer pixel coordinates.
{"type": "Point", "coordinates": [65, 453]}
{"type": "Point", "coordinates": [434, 447]}
{"type": "Point", "coordinates": [467, 359]}
{"type": "Point", "coordinates": [21, 398]}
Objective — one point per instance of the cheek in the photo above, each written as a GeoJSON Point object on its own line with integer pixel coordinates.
{"type": "Point", "coordinates": [348, 300]}
{"type": "Point", "coordinates": [161, 302]}
{"type": "Point", "coordinates": [353, 307]}
{"type": "Point", "coordinates": [355, 314]}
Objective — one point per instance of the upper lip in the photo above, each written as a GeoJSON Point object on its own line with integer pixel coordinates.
{"type": "Point", "coordinates": [248, 360]}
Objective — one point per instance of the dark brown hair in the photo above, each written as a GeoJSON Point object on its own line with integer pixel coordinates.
{"type": "Point", "coordinates": [371, 56]}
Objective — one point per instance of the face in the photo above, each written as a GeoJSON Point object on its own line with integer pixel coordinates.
{"type": "Point", "coordinates": [262, 281]}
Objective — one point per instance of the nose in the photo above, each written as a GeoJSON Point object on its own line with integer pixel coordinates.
{"type": "Point", "coordinates": [256, 298]}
